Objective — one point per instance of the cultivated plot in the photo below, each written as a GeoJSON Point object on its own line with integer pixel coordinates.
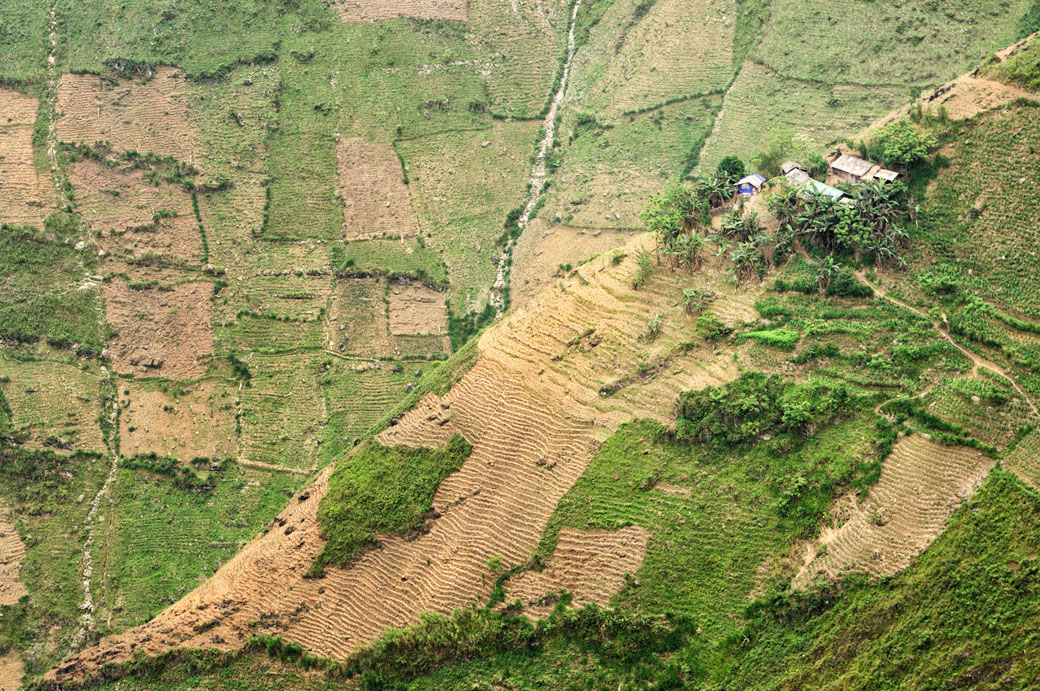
{"type": "Point", "coordinates": [375, 198]}
{"type": "Point", "coordinates": [183, 421]}
{"type": "Point", "coordinates": [53, 405]}
{"type": "Point", "coordinates": [376, 10]}
{"type": "Point", "coordinates": [130, 217]}
{"type": "Point", "coordinates": [146, 115]}
{"type": "Point", "coordinates": [26, 194]}
{"type": "Point", "coordinates": [159, 332]}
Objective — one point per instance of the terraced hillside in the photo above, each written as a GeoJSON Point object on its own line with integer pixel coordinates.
{"type": "Point", "coordinates": [533, 409]}
{"type": "Point", "coordinates": [244, 244]}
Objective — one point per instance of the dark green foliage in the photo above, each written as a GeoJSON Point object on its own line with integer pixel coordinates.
{"type": "Point", "coordinates": [711, 328]}
{"type": "Point", "coordinates": [461, 329]}
{"type": "Point", "coordinates": [44, 296]}
{"type": "Point", "coordinates": [381, 490]}
{"type": "Point", "coordinates": [731, 168]}
{"type": "Point", "coordinates": [902, 144]}
{"type": "Point", "coordinates": [755, 404]}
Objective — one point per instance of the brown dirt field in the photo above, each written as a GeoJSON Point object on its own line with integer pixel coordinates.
{"type": "Point", "coordinates": [11, 671]}
{"type": "Point", "coordinates": [159, 332]}
{"type": "Point", "coordinates": [120, 205]}
{"type": "Point", "coordinates": [200, 422]}
{"type": "Point", "coordinates": [922, 483]}
{"type": "Point", "coordinates": [12, 551]}
{"type": "Point", "coordinates": [416, 309]}
{"type": "Point", "coordinates": [589, 565]}
{"type": "Point", "coordinates": [375, 198]}
{"type": "Point", "coordinates": [144, 115]}
{"type": "Point", "coordinates": [533, 411]}
{"type": "Point", "coordinates": [26, 194]}
{"type": "Point", "coordinates": [376, 10]}
{"type": "Point", "coordinates": [542, 248]}
{"type": "Point", "coordinates": [963, 98]}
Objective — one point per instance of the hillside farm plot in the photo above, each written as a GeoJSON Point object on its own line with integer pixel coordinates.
{"type": "Point", "coordinates": [358, 393]}
{"type": "Point", "coordinates": [146, 115]}
{"type": "Point", "coordinates": [376, 10]}
{"type": "Point", "coordinates": [869, 43]}
{"type": "Point", "coordinates": [269, 334]}
{"type": "Point", "coordinates": [592, 566]}
{"type": "Point", "coordinates": [642, 55]}
{"type": "Point", "coordinates": [983, 212]}
{"type": "Point", "coordinates": [159, 332]}
{"type": "Point", "coordinates": [1024, 459]}
{"type": "Point", "coordinates": [165, 539]}
{"type": "Point", "coordinates": [53, 404]}
{"type": "Point", "coordinates": [357, 318]}
{"type": "Point", "coordinates": [130, 217]}
{"type": "Point", "coordinates": [545, 250]}
{"type": "Point", "coordinates": [608, 171]}
{"type": "Point", "coordinates": [375, 198]}
{"type": "Point", "coordinates": [416, 310]}
{"type": "Point", "coordinates": [993, 418]}
{"type": "Point", "coordinates": [522, 43]}
{"type": "Point", "coordinates": [26, 194]}
{"type": "Point", "coordinates": [12, 551]}
{"type": "Point", "coordinates": [283, 410]}
{"type": "Point", "coordinates": [463, 184]}
{"type": "Point", "coordinates": [185, 422]}
{"type": "Point", "coordinates": [922, 483]}
{"type": "Point", "coordinates": [763, 104]}
{"type": "Point", "coordinates": [289, 296]}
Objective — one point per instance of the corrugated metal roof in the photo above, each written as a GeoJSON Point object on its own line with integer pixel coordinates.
{"type": "Point", "coordinates": [853, 165]}
{"type": "Point", "coordinates": [753, 179]}
{"type": "Point", "coordinates": [886, 174]}
{"type": "Point", "coordinates": [788, 166]}
{"type": "Point", "coordinates": [825, 189]}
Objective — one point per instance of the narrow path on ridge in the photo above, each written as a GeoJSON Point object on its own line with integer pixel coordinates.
{"type": "Point", "coordinates": [538, 169]}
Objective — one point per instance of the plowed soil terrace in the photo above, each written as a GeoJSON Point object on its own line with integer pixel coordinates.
{"type": "Point", "coordinates": [147, 115]}
{"type": "Point", "coordinates": [26, 194]}
{"type": "Point", "coordinates": [159, 332]}
{"type": "Point", "coordinates": [375, 198]}
{"type": "Point", "coordinates": [922, 483]}
{"type": "Point", "coordinates": [591, 566]}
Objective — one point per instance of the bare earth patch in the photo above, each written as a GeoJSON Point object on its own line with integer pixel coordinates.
{"type": "Point", "coordinates": [543, 249]}
{"type": "Point", "coordinates": [159, 332]}
{"type": "Point", "coordinates": [922, 483]}
{"type": "Point", "coordinates": [417, 310]}
{"type": "Point", "coordinates": [26, 195]}
{"type": "Point", "coordinates": [375, 198]}
{"type": "Point", "coordinates": [376, 10]}
{"type": "Point", "coordinates": [11, 671]}
{"type": "Point", "coordinates": [134, 217]}
{"type": "Point", "coordinates": [197, 422]}
{"type": "Point", "coordinates": [143, 115]}
{"type": "Point", "coordinates": [12, 551]}
{"type": "Point", "coordinates": [590, 565]}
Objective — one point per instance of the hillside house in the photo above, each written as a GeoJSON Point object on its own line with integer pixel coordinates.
{"type": "Point", "coordinates": [750, 184]}
{"type": "Point", "coordinates": [788, 166]}
{"type": "Point", "coordinates": [851, 168]}
{"type": "Point", "coordinates": [884, 174]}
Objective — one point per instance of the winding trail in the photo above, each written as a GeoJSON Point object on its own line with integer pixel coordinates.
{"type": "Point", "coordinates": [539, 171]}
{"type": "Point", "coordinates": [110, 410]}
{"type": "Point", "coordinates": [978, 362]}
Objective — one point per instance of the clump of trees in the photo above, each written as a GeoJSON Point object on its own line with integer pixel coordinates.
{"type": "Point", "coordinates": [757, 404]}
{"type": "Point", "coordinates": [901, 144]}
{"type": "Point", "coordinates": [870, 225]}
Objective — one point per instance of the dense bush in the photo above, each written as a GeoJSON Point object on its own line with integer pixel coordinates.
{"type": "Point", "coordinates": [757, 404]}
